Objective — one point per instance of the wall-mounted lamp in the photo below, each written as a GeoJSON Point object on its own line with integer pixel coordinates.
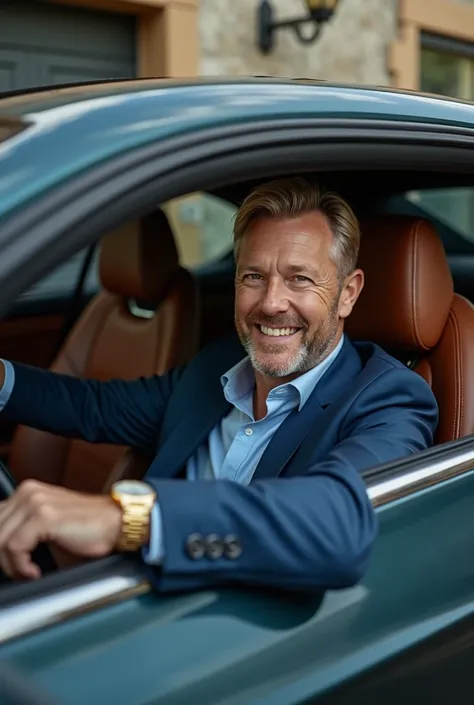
{"type": "Point", "coordinates": [319, 12]}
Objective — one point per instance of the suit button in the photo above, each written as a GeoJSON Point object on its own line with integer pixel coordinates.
{"type": "Point", "coordinates": [232, 547]}
{"type": "Point", "coordinates": [195, 547]}
{"type": "Point", "coordinates": [214, 547]}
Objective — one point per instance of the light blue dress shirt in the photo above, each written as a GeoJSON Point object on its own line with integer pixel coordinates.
{"type": "Point", "coordinates": [236, 444]}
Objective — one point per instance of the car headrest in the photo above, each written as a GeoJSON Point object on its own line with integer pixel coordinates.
{"type": "Point", "coordinates": [408, 288]}
{"type": "Point", "coordinates": [139, 260]}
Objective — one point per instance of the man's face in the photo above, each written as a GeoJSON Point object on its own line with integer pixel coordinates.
{"type": "Point", "coordinates": [289, 301]}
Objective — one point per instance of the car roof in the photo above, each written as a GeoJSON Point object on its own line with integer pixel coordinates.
{"type": "Point", "coordinates": [69, 128]}
{"type": "Point", "coordinates": [300, 94]}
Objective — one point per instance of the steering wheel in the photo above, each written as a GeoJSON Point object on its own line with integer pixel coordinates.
{"type": "Point", "coordinates": [7, 483]}
{"type": "Point", "coordinates": [41, 555]}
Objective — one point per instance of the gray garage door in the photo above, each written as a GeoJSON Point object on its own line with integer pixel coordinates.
{"type": "Point", "coordinates": [43, 43]}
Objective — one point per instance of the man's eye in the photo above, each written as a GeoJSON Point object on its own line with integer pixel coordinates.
{"type": "Point", "coordinates": [299, 278]}
{"type": "Point", "coordinates": [253, 276]}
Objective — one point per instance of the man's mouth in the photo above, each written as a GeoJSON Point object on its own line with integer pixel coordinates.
{"type": "Point", "coordinates": [276, 332]}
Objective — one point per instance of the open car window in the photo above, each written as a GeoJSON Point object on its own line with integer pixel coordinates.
{"type": "Point", "coordinates": [450, 209]}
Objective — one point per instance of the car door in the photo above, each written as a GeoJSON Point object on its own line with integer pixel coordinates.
{"type": "Point", "coordinates": [402, 634]}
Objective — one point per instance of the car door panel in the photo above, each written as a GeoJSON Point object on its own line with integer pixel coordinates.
{"type": "Point", "coordinates": [31, 340]}
{"type": "Point", "coordinates": [33, 330]}
{"type": "Point", "coordinates": [262, 646]}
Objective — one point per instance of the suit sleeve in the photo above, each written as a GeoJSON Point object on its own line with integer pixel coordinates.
{"type": "Point", "coordinates": [313, 531]}
{"type": "Point", "coordinates": [117, 412]}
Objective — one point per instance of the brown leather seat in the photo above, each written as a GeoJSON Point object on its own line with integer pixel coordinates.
{"type": "Point", "coordinates": [118, 337]}
{"type": "Point", "coordinates": [408, 307]}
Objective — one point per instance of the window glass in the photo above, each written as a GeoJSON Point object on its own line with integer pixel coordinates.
{"type": "Point", "coordinates": [61, 282]}
{"type": "Point", "coordinates": [452, 75]}
{"type": "Point", "coordinates": [203, 227]}
{"type": "Point", "coordinates": [453, 206]}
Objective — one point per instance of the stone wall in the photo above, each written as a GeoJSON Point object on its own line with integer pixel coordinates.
{"type": "Point", "coordinates": [352, 47]}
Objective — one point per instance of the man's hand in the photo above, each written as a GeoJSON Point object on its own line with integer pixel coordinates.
{"type": "Point", "coordinates": [86, 525]}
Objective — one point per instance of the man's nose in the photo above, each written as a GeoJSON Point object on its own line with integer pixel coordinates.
{"type": "Point", "coordinates": [274, 298]}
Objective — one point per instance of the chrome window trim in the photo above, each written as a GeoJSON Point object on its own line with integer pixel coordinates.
{"type": "Point", "coordinates": [62, 604]}
{"type": "Point", "coordinates": [402, 484]}
{"type": "Point", "coordinates": [125, 582]}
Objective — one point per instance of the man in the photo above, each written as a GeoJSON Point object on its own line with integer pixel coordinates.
{"type": "Point", "coordinates": [272, 443]}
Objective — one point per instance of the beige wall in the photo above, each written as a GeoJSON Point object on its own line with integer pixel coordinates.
{"type": "Point", "coordinates": [352, 47]}
{"type": "Point", "coordinates": [450, 18]}
{"type": "Point", "coordinates": [367, 41]}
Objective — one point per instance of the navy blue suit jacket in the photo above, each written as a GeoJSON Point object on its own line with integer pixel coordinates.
{"type": "Point", "coordinates": [305, 521]}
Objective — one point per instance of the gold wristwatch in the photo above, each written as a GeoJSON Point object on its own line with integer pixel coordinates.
{"type": "Point", "coordinates": [136, 500]}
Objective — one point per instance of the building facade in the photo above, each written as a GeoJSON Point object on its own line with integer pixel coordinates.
{"type": "Point", "coordinates": [416, 44]}
{"type": "Point", "coordinates": [75, 40]}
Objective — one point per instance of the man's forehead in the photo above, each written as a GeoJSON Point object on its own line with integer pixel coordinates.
{"type": "Point", "coordinates": [314, 220]}
{"type": "Point", "coordinates": [294, 237]}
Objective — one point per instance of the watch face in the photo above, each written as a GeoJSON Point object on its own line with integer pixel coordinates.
{"type": "Point", "coordinates": [133, 487]}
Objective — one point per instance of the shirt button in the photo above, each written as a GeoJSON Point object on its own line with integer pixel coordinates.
{"type": "Point", "coordinates": [248, 431]}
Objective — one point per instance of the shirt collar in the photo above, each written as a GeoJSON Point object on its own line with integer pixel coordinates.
{"type": "Point", "coordinates": [239, 381]}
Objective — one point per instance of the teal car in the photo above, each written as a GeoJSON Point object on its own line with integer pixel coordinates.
{"type": "Point", "coordinates": [79, 164]}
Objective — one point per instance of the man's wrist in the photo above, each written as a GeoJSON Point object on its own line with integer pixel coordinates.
{"type": "Point", "coordinates": [113, 520]}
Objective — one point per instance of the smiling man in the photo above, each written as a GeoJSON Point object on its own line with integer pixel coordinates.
{"type": "Point", "coordinates": [272, 442]}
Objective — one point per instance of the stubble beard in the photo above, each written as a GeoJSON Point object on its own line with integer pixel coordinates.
{"type": "Point", "coordinates": [310, 353]}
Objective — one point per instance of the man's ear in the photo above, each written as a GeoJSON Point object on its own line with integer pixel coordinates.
{"type": "Point", "coordinates": [353, 285]}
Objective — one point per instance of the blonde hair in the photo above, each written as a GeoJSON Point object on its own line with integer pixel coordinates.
{"type": "Point", "coordinates": [294, 196]}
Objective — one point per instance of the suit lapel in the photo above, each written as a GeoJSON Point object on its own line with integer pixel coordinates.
{"type": "Point", "coordinates": [290, 435]}
{"type": "Point", "coordinates": [201, 405]}
{"type": "Point", "coordinates": [189, 433]}
{"type": "Point", "coordinates": [287, 439]}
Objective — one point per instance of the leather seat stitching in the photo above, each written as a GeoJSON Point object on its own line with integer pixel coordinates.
{"type": "Point", "coordinates": [418, 333]}
{"type": "Point", "coordinates": [458, 417]}
{"type": "Point", "coordinates": [413, 292]}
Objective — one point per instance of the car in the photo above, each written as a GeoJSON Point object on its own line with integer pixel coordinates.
{"type": "Point", "coordinates": [78, 165]}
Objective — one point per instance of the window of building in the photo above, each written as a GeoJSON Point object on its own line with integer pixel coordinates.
{"type": "Point", "coordinates": [447, 67]}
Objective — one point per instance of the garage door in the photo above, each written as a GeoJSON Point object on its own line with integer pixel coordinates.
{"type": "Point", "coordinates": [44, 44]}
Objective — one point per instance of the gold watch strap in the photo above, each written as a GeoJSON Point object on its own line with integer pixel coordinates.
{"type": "Point", "coordinates": [135, 526]}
